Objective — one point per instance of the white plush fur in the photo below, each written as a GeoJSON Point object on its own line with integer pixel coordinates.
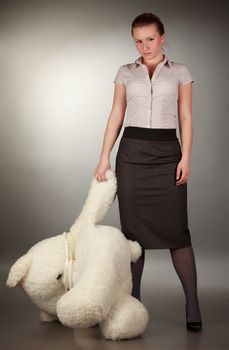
{"type": "Point", "coordinates": [102, 280]}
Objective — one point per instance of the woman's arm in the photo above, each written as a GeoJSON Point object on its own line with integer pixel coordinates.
{"type": "Point", "coordinates": [186, 130]}
{"type": "Point", "coordinates": [113, 127]}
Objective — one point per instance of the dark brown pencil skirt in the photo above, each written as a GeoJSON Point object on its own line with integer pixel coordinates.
{"type": "Point", "coordinates": [153, 210]}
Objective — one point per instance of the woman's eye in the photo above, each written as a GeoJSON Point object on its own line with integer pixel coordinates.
{"type": "Point", "coordinates": [151, 39]}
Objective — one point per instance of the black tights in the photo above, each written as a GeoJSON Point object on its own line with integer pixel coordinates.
{"type": "Point", "coordinates": [184, 263]}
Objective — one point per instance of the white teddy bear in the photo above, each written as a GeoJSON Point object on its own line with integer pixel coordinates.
{"type": "Point", "coordinates": [83, 277]}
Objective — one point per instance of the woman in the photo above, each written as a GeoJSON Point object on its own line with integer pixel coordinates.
{"type": "Point", "coordinates": [151, 168]}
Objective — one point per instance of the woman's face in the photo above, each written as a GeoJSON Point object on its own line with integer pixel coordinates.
{"type": "Point", "coordinates": [148, 41]}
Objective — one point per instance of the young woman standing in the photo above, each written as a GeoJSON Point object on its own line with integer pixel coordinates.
{"type": "Point", "coordinates": [151, 168]}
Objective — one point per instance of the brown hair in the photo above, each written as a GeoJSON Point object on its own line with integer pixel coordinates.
{"type": "Point", "coordinates": [145, 19]}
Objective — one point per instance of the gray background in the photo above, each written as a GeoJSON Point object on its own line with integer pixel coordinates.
{"type": "Point", "coordinates": [58, 60]}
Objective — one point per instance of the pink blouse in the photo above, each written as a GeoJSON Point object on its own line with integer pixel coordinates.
{"type": "Point", "coordinates": [152, 103]}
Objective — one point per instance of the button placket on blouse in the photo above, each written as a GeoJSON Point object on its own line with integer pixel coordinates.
{"type": "Point", "coordinates": [151, 81]}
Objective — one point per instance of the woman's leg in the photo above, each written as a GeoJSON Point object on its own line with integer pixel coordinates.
{"type": "Point", "coordinates": [136, 270]}
{"type": "Point", "coordinates": [184, 263]}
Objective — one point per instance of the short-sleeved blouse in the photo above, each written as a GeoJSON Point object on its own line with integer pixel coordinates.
{"type": "Point", "coordinates": [152, 103]}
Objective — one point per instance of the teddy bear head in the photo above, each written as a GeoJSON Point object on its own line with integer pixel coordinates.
{"type": "Point", "coordinates": [41, 273]}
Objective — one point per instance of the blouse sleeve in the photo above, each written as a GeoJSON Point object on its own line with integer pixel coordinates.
{"type": "Point", "coordinates": [119, 77]}
{"type": "Point", "coordinates": [184, 76]}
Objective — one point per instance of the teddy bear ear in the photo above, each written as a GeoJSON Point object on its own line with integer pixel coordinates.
{"type": "Point", "coordinates": [19, 270]}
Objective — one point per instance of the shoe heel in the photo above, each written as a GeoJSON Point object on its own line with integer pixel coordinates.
{"type": "Point", "coordinates": [193, 326]}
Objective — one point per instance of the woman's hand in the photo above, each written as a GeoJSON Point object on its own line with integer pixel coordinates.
{"type": "Point", "coordinates": [101, 169]}
{"type": "Point", "coordinates": [183, 171]}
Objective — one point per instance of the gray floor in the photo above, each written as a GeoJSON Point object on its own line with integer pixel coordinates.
{"type": "Point", "coordinates": [162, 295]}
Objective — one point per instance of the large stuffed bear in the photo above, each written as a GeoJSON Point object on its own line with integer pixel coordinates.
{"type": "Point", "coordinates": [83, 277]}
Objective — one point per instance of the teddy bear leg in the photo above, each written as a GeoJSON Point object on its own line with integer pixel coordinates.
{"type": "Point", "coordinates": [127, 318]}
{"type": "Point", "coordinates": [76, 309]}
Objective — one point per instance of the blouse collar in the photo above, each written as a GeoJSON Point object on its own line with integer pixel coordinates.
{"type": "Point", "coordinates": [166, 59]}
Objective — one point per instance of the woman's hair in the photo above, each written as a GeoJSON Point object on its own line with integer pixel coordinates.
{"type": "Point", "coordinates": [145, 19]}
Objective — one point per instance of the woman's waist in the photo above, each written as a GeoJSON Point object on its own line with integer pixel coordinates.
{"type": "Point", "coordinates": [157, 134]}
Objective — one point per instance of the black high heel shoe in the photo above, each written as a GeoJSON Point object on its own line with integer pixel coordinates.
{"type": "Point", "coordinates": [194, 326]}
